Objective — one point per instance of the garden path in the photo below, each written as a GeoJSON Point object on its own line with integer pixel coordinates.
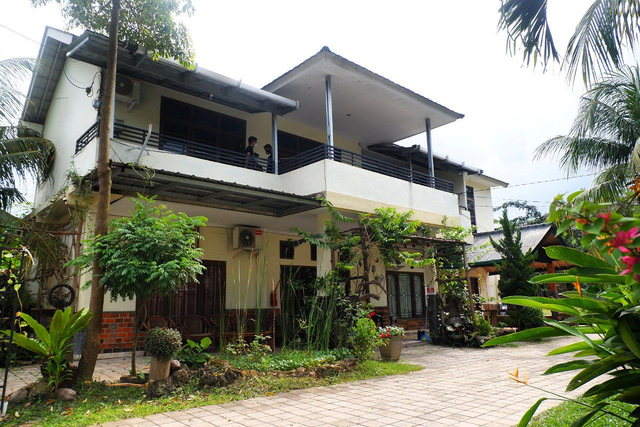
{"type": "Point", "coordinates": [459, 386]}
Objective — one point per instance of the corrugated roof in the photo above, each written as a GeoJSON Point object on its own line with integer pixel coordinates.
{"type": "Point", "coordinates": [483, 253]}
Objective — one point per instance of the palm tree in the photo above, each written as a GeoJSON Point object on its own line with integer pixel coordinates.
{"type": "Point", "coordinates": [607, 29]}
{"type": "Point", "coordinates": [605, 135]}
{"type": "Point", "coordinates": [23, 153]}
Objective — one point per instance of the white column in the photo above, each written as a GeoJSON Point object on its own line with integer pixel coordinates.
{"type": "Point", "coordinates": [274, 141]}
{"type": "Point", "coordinates": [329, 113]}
{"type": "Point", "coordinates": [427, 123]}
{"type": "Point", "coordinates": [324, 255]}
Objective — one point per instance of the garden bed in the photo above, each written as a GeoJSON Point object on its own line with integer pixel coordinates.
{"type": "Point", "coordinates": [99, 403]}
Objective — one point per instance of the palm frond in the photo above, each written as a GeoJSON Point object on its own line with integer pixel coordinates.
{"type": "Point", "coordinates": [526, 23]}
{"type": "Point", "coordinates": [12, 73]}
{"type": "Point", "coordinates": [607, 28]}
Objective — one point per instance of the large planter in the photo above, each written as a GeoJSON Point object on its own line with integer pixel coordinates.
{"type": "Point", "coordinates": [159, 369]}
{"type": "Point", "coordinates": [392, 350]}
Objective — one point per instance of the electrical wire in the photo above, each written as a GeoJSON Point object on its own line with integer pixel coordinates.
{"type": "Point", "coordinates": [21, 35]}
{"type": "Point", "coordinates": [547, 180]}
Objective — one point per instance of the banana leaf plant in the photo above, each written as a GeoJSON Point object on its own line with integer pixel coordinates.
{"type": "Point", "coordinates": [53, 344]}
{"type": "Point", "coordinates": [64, 326]}
{"type": "Point", "coordinates": [603, 311]}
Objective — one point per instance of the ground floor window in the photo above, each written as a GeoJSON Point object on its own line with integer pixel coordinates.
{"type": "Point", "coordinates": [405, 294]}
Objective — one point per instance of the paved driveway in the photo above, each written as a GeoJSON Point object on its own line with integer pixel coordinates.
{"type": "Point", "coordinates": [462, 387]}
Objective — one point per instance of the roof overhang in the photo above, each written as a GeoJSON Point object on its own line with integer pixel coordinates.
{"type": "Point", "coordinates": [367, 108]}
{"type": "Point", "coordinates": [46, 76]}
{"type": "Point", "coordinates": [180, 188]}
{"type": "Point", "coordinates": [137, 63]}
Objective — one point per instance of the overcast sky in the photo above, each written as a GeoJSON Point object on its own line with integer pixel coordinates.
{"type": "Point", "coordinates": [449, 52]}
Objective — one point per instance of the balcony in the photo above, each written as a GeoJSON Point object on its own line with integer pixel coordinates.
{"type": "Point", "coordinates": [172, 144]}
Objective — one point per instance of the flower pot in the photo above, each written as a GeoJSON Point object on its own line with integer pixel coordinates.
{"type": "Point", "coordinates": [159, 369]}
{"type": "Point", "coordinates": [392, 350]}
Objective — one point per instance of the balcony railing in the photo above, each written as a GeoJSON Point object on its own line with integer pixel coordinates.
{"type": "Point", "coordinates": [221, 155]}
{"type": "Point", "coordinates": [368, 163]}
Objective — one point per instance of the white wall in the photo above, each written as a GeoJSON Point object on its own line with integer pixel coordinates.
{"type": "Point", "coordinates": [69, 116]}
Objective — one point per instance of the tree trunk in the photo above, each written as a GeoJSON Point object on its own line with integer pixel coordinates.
{"type": "Point", "coordinates": [91, 348]}
{"type": "Point", "coordinates": [140, 314]}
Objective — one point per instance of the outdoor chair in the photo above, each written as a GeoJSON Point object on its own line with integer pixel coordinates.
{"type": "Point", "coordinates": [225, 328]}
{"type": "Point", "coordinates": [159, 322]}
{"type": "Point", "coordinates": [266, 328]}
{"type": "Point", "coordinates": [196, 328]}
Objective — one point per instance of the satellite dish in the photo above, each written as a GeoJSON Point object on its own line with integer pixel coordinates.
{"type": "Point", "coordinates": [246, 238]}
{"type": "Point", "coordinates": [124, 85]}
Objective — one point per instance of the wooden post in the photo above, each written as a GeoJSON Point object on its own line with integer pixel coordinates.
{"type": "Point", "coordinates": [553, 288]}
{"type": "Point", "coordinates": [469, 291]}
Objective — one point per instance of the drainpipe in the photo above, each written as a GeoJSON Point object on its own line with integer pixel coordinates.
{"type": "Point", "coordinates": [329, 104]}
{"type": "Point", "coordinates": [274, 141]}
{"type": "Point", "coordinates": [427, 123]}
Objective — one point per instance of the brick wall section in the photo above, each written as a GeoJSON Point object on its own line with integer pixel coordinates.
{"type": "Point", "coordinates": [117, 332]}
{"type": "Point", "coordinates": [409, 324]}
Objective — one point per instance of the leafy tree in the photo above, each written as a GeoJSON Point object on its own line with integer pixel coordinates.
{"type": "Point", "coordinates": [153, 252]}
{"type": "Point", "coordinates": [608, 30]}
{"type": "Point", "coordinates": [531, 213]}
{"type": "Point", "coordinates": [149, 23]}
{"type": "Point", "coordinates": [22, 151]}
{"type": "Point", "coordinates": [604, 136]}
{"type": "Point", "coordinates": [516, 267]}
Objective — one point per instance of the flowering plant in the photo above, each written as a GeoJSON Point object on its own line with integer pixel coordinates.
{"type": "Point", "coordinates": [390, 331]}
{"type": "Point", "coordinates": [603, 311]}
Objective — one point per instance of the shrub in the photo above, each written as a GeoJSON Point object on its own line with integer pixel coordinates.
{"type": "Point", "coordinates": [364, 339]}
{"type": "Point", "coordinates": [194, 354]}
{"type": "Point", "coordinates": [483, 326]}
{"type": "Point", "coordinates": [525, 317]}
{"type": "Point", "coordinates": [163, 343]}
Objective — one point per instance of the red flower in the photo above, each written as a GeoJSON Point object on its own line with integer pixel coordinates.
{"type": "Point", "coordinates": [630, 261]}
{"type": "Point", "coordinates": [607, 217]}
{"type": "Point", "coordinates": [624, 238]}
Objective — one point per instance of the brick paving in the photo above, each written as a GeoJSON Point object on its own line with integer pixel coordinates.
{"type": "Point", "coordinates": [106, 370]}
{"type": "Point", "coordinates": [459, 386]}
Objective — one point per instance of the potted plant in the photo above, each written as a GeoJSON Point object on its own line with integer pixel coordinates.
{"type": "Point", "coordinates": [392, 337]}
{"type": "Point", "coordinates": [162, 345]}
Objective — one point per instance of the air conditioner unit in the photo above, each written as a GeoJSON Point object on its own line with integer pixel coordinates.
{"type": "Point", "coordinates": [128, 91]}
{"type": "Point", "coordinates": [247, 238]}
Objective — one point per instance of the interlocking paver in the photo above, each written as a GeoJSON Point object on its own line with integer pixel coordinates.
{"type": "Point", "coordinates": [460, 386]}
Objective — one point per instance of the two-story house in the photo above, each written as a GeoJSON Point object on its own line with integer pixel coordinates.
{"type": "Point", "coordinates": [333, 127]}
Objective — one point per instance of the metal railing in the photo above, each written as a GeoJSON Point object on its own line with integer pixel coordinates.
{"type": "Point", "coordinates": [221, 155]}
{"type": "Point", "coordinates": [367, 163]}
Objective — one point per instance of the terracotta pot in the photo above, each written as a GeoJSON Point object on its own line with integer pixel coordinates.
{"type": "Point", "coordinates": [392, 350]}
{"type": "Point", "coordinates": [159, 369]}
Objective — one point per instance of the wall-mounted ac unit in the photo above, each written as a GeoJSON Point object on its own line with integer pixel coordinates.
{"type": "Point", "coordinates": [128, 91]}
{"type": "Point", "coordinates": [247, 238]}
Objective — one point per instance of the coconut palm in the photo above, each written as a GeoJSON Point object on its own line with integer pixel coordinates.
{"type": "Point", "coordinates": [23, 153]}
{"type": "Point", "coordinates": [605, 135]}
{"type": "Point", "coordinates": [605, 32]}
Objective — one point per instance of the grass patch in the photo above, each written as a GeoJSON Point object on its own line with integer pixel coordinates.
{"type": "Point", "coordinates": [566, 413]}
{"type": "Point", "coordinates": [97, 403]}
{"type": "Point", "coordinates": [287, 360]}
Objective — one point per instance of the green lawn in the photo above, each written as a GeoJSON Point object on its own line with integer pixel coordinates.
{"type": "Point", "coordinates": [97, 403]}
{"type": "Point", "coordinates": [566, 413]}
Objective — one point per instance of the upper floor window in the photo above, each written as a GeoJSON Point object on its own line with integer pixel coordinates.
{"type": "Point", "coordinates": [289, 144]}
{"type": "Point", "coordinates": [200, 125]}
{"type": "Point", "coordinates": [471, 205]}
